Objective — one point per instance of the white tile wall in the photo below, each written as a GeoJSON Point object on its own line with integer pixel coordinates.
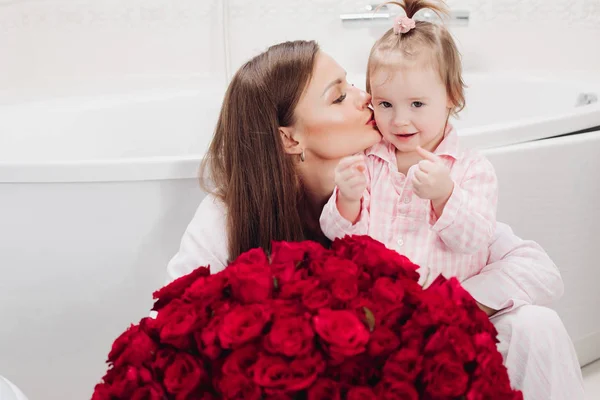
{"type": "Point", "coordinates": [58, 46]}
{"type": "Point", "coordinates": [513, 34]}
{"type": "Point", "coordinates": [54, 47]}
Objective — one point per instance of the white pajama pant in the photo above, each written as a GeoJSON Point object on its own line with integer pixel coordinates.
{"type": "Point", "coordinates": [539, 354]}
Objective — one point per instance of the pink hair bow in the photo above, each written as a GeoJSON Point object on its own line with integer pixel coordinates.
{"type": "Point", "coordinates": [403, 24]}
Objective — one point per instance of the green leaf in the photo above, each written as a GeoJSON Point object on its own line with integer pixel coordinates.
{"type": "Point", "coordinates": [275, 283]}
{"type": "Point", "coordinates": [370, 318]}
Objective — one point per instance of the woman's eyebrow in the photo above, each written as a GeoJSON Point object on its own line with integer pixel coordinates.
{"type": "Point", "coordinates": [336, 82]}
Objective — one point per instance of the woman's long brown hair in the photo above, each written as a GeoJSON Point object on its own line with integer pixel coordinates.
{"type": "Point", "coordinates": [246, 163]}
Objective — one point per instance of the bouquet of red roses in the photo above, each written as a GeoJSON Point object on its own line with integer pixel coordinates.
{"type": "Point", "coordinates": [305, 322]}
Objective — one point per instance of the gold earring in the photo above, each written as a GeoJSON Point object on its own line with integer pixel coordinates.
{"type": "Point", "coordinates": [302, 157]}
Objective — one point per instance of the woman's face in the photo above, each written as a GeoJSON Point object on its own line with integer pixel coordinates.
{"type": "Point", "coordinates": [333, 119]}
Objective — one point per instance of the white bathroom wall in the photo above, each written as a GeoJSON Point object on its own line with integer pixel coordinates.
{"type": "Point", "coordinates": [57, 47]}
{"type": "Point", "coordinates": [61, 47]}
{"type": "Point", "coordinates": [551, 35]}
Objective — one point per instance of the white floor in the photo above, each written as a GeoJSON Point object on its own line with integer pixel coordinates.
{"type": "Point", "coordinates": [591, 380]}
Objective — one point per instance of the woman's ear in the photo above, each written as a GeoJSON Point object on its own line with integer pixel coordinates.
{"type": "Point", "coordinates": [290, 145]}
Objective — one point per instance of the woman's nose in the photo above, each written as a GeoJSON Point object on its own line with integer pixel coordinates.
{"type": "Point", "coordinates": [364, 99]}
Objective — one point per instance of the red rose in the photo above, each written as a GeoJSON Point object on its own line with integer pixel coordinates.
{"type": "Point", "coordinates": [412, 334]}
{"type": "Point", "coordinates": [324, 389]}
{"type": "Point", "coordinates": [297, 288]}
{"type": "Point", "coordinates": [207, 339]}
{"type": "Point", "coordinates": [393, 316]}
{"type": "Point", "coordinates": [451, 338]}
{"type": "Point", "coordinates": [382, 342]}
{"type": "Point", "coordinates": [480, 322]}
{"type": "Point", "coordinates": [331, 269]}
{"type": "Point", "coordinates": [345, 288]}
{"type": "Point", "coordinates": [342, 331]}
{"type": "Point", "coordinates": [403, 365]}
{"type": "Point", "coordinates": [133, 347]}
{"type": "Point", "coordinates": [239, 387]}
{"type": "Point", "coordinates": [278, 396]}
{"type": "Point", "coordinates": [393, 389]}
{"type": "Point", "coordinates": [276, 374]}
{"type": "Point", "coordinates": [377, 258]}
{"type": "Point", "coordinates": [177, 322]}
{"type": "Point", "coordinates": [175, 289]}
{"type": "Point", "coordinates": [484, 342]}
{"type": "Point", "coordinates": [489, 364]}
{"type": "Point", "coordinates": [240, 361]}
{"type": "Point", "coordinates": [350, 247]}
{"type": "Point", "coordinates": [284, 272]}
{"type": "Point", "coordinates": [483, 389]}
{"type": "Point", "coordinates": [444, 376]}
{"type": "Point", "coordinates": [184, 374]}
{"type": "Point", "coordinates": [359, 370]}
{"type": "Point", "coordinates": [252, 256]}
{"type": "Point", "coordinates": [292, 337]}
{"type": "Point", "coordinates": [386, 290]}
{"type": "Point", "coordinates": [251, 283]}
{"type": "Point", "coordinates": [243, 324]}
{"type": "Point", "coordinates": [286, 308]}
{"type": "Point", "coordinates": [282, 252]}
{"type": "Point", "coordinates": [451, 289]}
{"type": "Point", "coordinates": [123, 382]}
{"type": "Point", "coordinates": [361, 393]}
{"type": "Point", "coordinates": [490, 367]}
{"type": "Point", "coordinates": [316, 299]}
{"type": "Point", "coordinates": [151, 391]}
{"type": "Point", "coordinates": [206, 291]}
{"type": "Point", "coordinates": [101, 392]}
{"type": "Point", "coordinates": [413, 292]}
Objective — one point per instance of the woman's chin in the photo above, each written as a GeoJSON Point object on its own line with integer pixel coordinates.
{"type": "Point", "coordinates": [374, 137]}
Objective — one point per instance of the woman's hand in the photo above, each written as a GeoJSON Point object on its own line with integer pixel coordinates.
{"type": "Point", "coordinates": [486, 309]}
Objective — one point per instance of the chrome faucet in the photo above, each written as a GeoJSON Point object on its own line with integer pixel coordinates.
{"type": "Point", "coordinates": [376, 12]}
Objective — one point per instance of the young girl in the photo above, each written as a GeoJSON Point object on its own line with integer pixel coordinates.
{"type": "Point", "coordinates": [417, 191]}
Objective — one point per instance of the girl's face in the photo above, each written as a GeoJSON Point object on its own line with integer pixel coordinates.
{"type": "Point", "coordinates": [411, 106]}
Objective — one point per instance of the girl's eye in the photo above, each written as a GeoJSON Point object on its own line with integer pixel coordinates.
{"type": "Point", "coordinates": [385, 104]}
{"type": "Point", "coordinates": [417, 104]}
{"type": "Point", "coordinates": [340, 99]}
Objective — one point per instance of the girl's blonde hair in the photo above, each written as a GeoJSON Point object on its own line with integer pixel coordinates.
{"type": "Point", "coordinates": [425, 39]}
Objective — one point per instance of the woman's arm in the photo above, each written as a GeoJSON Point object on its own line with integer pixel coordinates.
{"type": "Point", "coordinates": [518, 272]}
{"type": "Point", "coordinates": [204, 241]}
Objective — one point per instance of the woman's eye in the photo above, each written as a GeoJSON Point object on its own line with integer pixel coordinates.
{"type": "Point", "coordinates": [417, 104]}
{"type": "Point", "coordinates": [339, 99]}
{"type": "Point", "coordinates": [385, 104]}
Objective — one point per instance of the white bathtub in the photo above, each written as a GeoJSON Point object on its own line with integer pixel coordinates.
{"type": "Point", "coordinates": [96, 192]}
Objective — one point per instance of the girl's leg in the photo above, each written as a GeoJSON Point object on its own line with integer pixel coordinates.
{"type": "Point", "coordinates": [539, 354]}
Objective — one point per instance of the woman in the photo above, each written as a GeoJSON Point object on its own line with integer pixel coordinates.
{"type": "Point", "coordinates": [287, 118]}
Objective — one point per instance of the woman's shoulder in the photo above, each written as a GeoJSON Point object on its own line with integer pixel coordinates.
{"type": "Point", "coordinates": [210, 223]}
{"type": "Point", "coordinates": [204, 242]}
{"type": "Point", "coordinates": [211, 209]}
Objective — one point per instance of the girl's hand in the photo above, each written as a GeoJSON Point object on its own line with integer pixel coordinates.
{"type": "Point", "coordinates": [350, 178]}
{"type": "Point", "coordinates": [432, 178]}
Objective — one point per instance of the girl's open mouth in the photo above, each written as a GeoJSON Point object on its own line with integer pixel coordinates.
{"type": "Point", "coordinates": [406, 135]}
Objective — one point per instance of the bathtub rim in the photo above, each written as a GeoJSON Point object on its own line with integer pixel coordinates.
{"type": "Point", "coordinates": [187, 166]}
